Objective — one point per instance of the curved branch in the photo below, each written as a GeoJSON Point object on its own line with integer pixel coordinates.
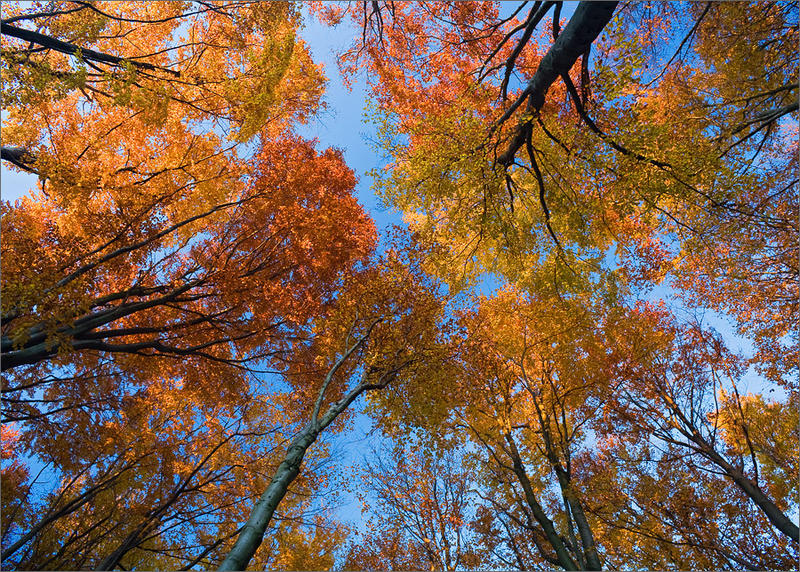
{"type": "Point", "coordinates": [19, 157]}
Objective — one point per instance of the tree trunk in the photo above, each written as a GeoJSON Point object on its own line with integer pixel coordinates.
{"type": "Point", "coordinates": [582, 29]}
{"type": "Point", "coordinates": [770, 509]}
{"type": "Point", "coordinates": [253, 532]}
{"type": "Point", "coordinates": [564, 558]}
{"type": "Point", "coordinates": [584, 530]}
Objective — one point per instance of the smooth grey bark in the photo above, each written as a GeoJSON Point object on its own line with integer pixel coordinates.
{"type": "Point", "coordinates": [565, 560]}
{"type": "Point", "coordinates": [252, 533]}
{"type": "Point", "coordinates": [775, 515]}
{"type": "Point", "coordinates": [591, 559]}
{"type": "Point", "coordinates": [582, 29]}
{"type": "Point", "coordinates": [586, 551]}
{"type": "Point", "coordinates": [584, 530]}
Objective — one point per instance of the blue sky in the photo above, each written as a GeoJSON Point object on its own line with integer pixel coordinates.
{"type": "Point", "coordinates": [342, 125]}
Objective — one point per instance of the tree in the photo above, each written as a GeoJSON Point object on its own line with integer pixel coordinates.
{"type": "Point", "coordinates": [423, 504]}
{"type": "Point", "coordinates": [126, 195]}
{"type": "Point", "coordinates": [180, 239]}
{"type": "Point", "coordinates": [686, 395]}
{"type": "Point", "coordinates": [525, 367]}
{"type": "Point", "coordinates": [153, 486]}
{"type": "Point", "coordinates": [210, 320]}
{"type": "Point", "coordinates": [654, 506]}
{"type": "Point", "coordinates": [600, 435]}
{"type": "Point", "coordinates": [192, 304]}
{"type": "Point", "coordinates": [665, 482]}
{"type": "Point", "coordinates": [237, 65]}
{"type": "Point", "coordinates": [377, 332]}
{"type": "Point", "coordinates": [653, 166]}
{"type": "Point", "coordinates": [519, 392]}
{"type": "Point", "coordinates": [680, 162]}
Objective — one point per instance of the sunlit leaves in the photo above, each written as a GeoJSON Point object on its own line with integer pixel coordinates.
{"type": "Point", "coordinates": [180, 239]}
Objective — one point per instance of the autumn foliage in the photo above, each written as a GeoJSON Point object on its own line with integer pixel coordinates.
{"type": "Point", "coordinates": [578, 352]}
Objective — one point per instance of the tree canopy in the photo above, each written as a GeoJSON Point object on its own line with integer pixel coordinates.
{"type": "Point", "coordinates": [579, 351]}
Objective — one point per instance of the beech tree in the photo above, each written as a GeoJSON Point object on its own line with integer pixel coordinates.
{"type": "Point", "coordinates": [379, 332]}
{"type": "Point", "coordinates": [159, 487]}
{"type": "Point", "coordinates": [423, 511]}
{"type": "Point", "coordinates": [194, 303]}
{"type": "Point", "coordinates": [699, 408]}
{"type": "Point", "coordinates": [673, 148]}
{"type": "Point", "coordinates": [165, 220]}
{"type": "Point", "coordinates": [594, 437]}
{"type": "Point", "coordinates": [180, 239]}
{"type": "Point", "coordinates": [605, 156]}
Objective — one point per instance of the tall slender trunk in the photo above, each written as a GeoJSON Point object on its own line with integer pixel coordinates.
{"type": "Point", "coordinates": [550, 532]}
{"type": "Point", "coordinates": [590, 555]}
{"type": "Point", "coordinates": [253, 532]}
{"type": "Point", "coordinates": [584, 530]}
{"type": "Point", "coordinates": [775, 515]}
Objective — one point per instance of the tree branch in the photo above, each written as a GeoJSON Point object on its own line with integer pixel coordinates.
{"type": "Point", "coordinates": [73, 50]}
{"type": "Point", "coordinates": [583, 28]}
